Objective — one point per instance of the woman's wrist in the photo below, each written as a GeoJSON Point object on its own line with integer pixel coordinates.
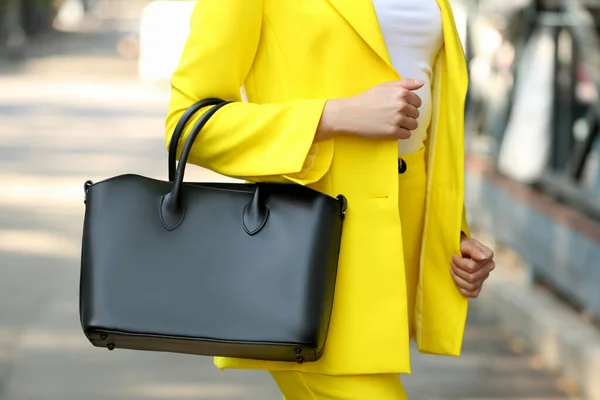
{"type": "Point", "coordinates": [332, 121]}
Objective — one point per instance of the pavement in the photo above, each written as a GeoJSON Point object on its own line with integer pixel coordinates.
{"type": "Point", "coordinates": [76, 111]}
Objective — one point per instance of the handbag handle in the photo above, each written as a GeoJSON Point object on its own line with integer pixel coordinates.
{"type": "Point", "coordinates": [185, 118]}
{"type": "Point", "coordinates": [172, 209]}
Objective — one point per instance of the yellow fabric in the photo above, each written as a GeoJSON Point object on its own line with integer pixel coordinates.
{"type": "Point", "coordinates": [289, 67]}
{"type": "Point", "coordinates": [305, 386]}
{"type": "Point", "coordinates": [412, 186]}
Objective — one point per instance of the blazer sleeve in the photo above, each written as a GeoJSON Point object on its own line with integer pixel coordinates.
{"type": "Point", "coordinates": [242, 140]}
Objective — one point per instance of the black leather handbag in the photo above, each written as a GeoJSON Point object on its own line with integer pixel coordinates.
{"type": "Point", "coordinates": [214, 269]}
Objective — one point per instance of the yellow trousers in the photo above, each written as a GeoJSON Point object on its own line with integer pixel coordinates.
{"type": "Point", "coordinates": [412, 182]}
{"type": "Point", "coordinates": [304, 386]}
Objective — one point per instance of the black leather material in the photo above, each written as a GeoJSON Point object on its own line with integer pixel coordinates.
{"type": "Point", "coordinates": [215, 269]}
{"type": "Point", "coordinates": [183, 121]}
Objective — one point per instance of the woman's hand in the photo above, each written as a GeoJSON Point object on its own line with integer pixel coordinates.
{"type": "Point", "coordinates": [470, 270]}
{"type": "Point", "coordinates": [386, 111]}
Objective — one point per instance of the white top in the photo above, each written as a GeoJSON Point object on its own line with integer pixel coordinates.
{"type": "Point", "coordinates": [413, 33]}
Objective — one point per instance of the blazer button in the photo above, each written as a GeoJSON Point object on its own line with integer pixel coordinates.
{"type": "Point", "coordinates": [402, 167]}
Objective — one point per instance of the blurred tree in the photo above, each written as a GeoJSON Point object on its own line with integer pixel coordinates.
{"type": "Point", "coordinates": [20, 19]}
{"type": "Point", "coordinates": [37, 15]}
{"type": "Point", "coordinates": [12, 34]}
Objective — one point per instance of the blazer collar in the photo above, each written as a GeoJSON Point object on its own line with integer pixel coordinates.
{"type": "Point", "coordinates": [361, 15]}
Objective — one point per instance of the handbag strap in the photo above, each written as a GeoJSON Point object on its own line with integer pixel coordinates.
{"type": "Point", "coordinates": [185, 118]}
{"type": "Point", "coordinates": [172, 209]}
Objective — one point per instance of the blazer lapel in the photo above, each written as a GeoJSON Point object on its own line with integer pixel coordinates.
{"type": "Point", "coordinates": [455, 59]}
{"type": "Point", "coordinates": [361, 15]}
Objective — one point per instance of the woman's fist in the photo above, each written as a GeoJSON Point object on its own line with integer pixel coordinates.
{"type": "Point", "coordinates": [386, 111]}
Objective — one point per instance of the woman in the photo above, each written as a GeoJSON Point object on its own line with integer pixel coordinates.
{"type": "Point", "coordinates": [328, 108]}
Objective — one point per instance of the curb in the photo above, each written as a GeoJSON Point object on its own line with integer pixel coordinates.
{"type": "Point", "coordinates": [562, 338]}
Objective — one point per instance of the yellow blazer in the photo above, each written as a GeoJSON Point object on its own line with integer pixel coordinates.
{"type": "Point", "coordinates": [291, 56]}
